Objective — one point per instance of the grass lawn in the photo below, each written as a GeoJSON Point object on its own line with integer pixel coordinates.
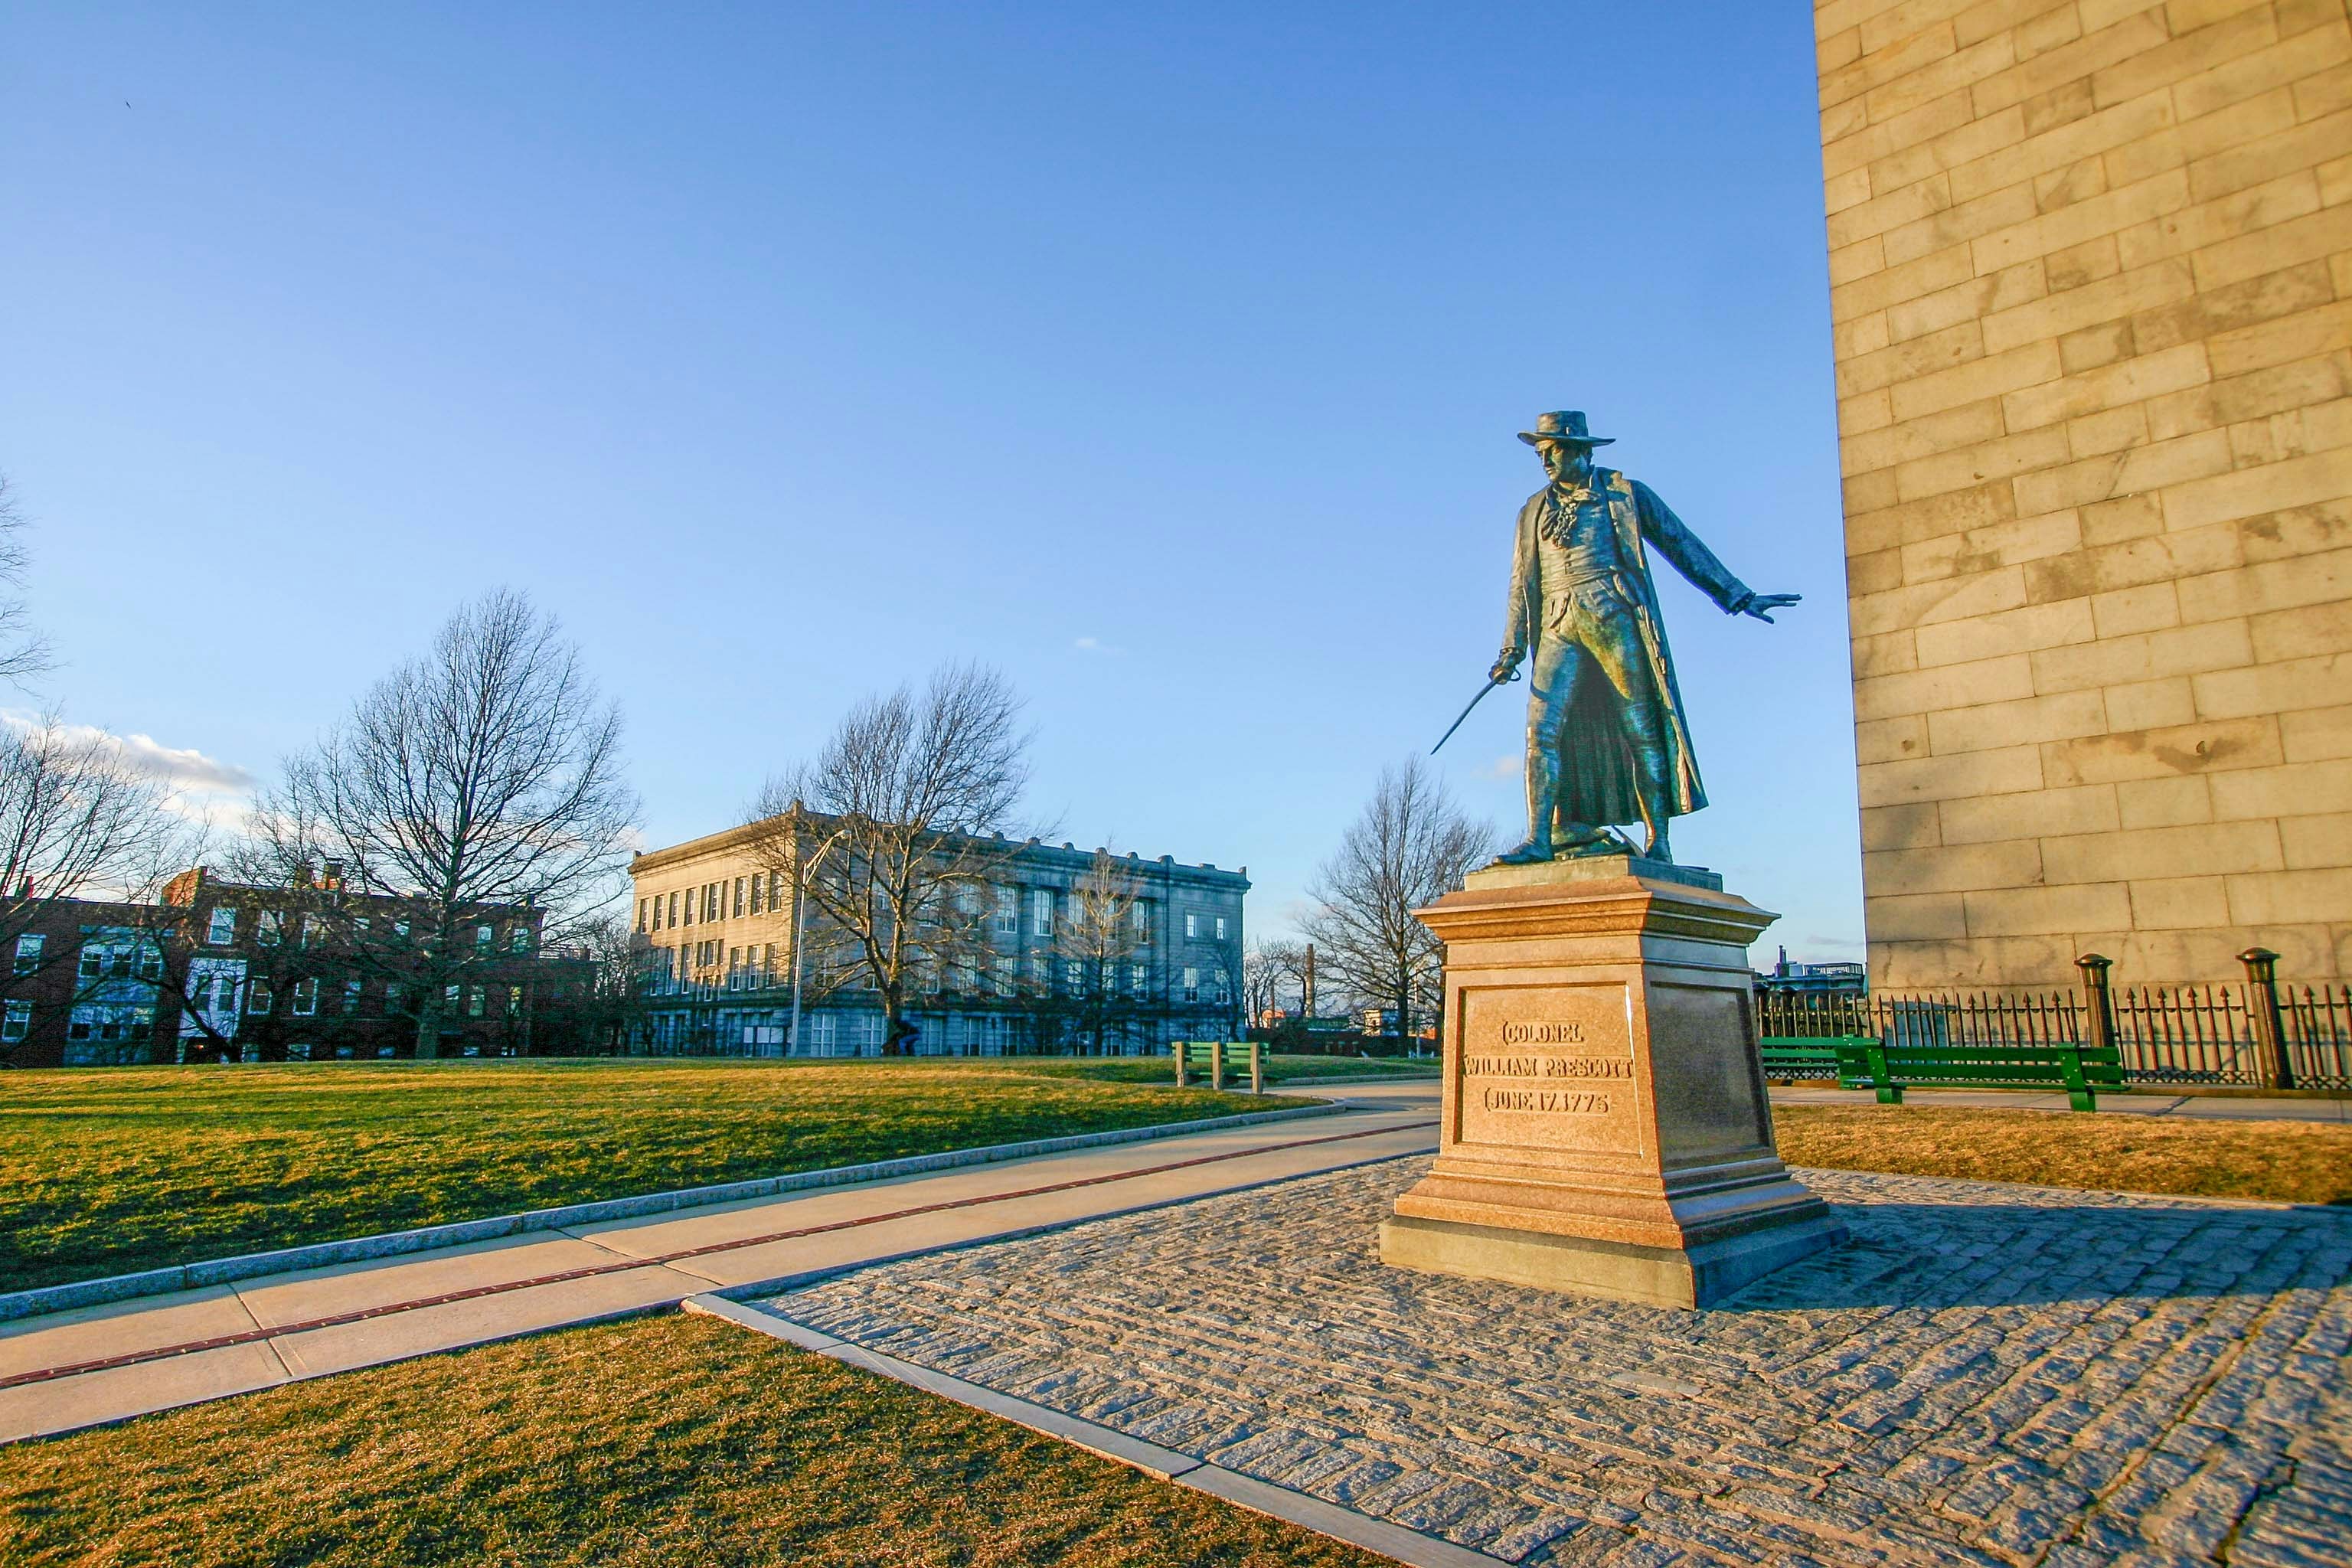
{"type": "Point", "coordinates": [671, 1439]}
{"type": "Point", "coordinates": [2287, 1162]}
{"type": "Point", "coordinates": [114, 1171]}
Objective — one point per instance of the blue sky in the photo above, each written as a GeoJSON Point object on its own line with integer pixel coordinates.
{"type": "Point", "coordinates": [1169, 359]}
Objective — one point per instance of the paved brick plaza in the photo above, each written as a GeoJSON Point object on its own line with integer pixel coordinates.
{"type": "Point", "coordinates": [1985, 1372]}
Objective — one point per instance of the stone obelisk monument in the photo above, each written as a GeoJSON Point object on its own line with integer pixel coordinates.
{"type": "Point", "coordinates": [1605, 1126]}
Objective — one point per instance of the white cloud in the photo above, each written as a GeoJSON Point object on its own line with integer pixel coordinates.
{"type": "Point", "coordinates": [185, 770]}
{"type": "Point", "coordinates": [1096, 644]}
{"type": "Point", "coordinates": [1506, 766]}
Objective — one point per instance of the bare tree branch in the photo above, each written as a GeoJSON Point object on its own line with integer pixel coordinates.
{"type": "Point", "coordinates": [24, 652]}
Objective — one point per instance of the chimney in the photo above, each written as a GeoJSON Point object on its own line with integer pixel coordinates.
{"type": "Point", "coordinates": [332, 877]}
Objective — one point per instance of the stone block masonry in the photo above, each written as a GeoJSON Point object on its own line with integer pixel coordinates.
{"type": "Point", "coordinates": [2091, 282]}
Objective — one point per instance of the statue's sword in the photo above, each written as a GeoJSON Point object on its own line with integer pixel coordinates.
{"type": "Point", "coordinates": [1492, 683]}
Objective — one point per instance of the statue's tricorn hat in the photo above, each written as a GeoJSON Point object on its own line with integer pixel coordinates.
{"type": "Point", "coordinates": [1568, 425]}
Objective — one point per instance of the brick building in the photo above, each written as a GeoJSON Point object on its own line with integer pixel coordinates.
{"type": "Point", "coordinates": [2091, 280]}
{"type": "Point", "coordinates": [218, 969]}
{"type": "Point", "coordinates": [719, 934]}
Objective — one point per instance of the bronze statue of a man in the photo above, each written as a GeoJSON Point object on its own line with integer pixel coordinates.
{"type": "Point", "coordinates": [1606, 740]}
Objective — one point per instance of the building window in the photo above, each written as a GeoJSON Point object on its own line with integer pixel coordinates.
{"type": "Point", "coordinates": [641, 916]}
{"type": "Point", "coordinates": [28, 952]}
{"type": "Point", "coordinates": [518, 937]}
{"type": "Point", "coordinates": [395, 995]}
{"type": "Point", "coordinates": [1139, 918]}
{"type": "Point", "coordinates": [271, 929]}
{"type": "Point", "coordinates": [99, 1021]}
{"type": "Point", "coordinates": [18, 1022]}
{"type": "Point", "coordinates": [306, 997]}
{"type": "Point", "coordinates": [739, 897]}
{"type": "Point", "coordinates": [400, 930]}
{"type": "Point", "coordinates": [351, 995]}
{"type": "Point", "coordinates": [1041, 911]}
{"type": "Point", "coordinates": [1191, 926]}
{"type": "Point", "coordinates": [150, 961]}
{"type": "Point", "coordinates": [483, 937]}
{"type": "Point", "coordinates": [223, 929]}
{"type": "Point", "coordinates": [93, 962]}
{"type": "Point", "coordinates": [1191, 985]}
{"type": "Point", "coordinates": [1008, 973]}
{"type": "Point", "coordinates": [1224, 992]}
{"type": "Point", "coordinates": [476, 1000]}
{"type": "Point", "coordinates": [757, 884]}
{"type": "Point", "coordinates": [514, 1001]}
{"type": "Point", "coordinates": [1135, 978]}
{"type": "Point", "coordinates": [1074, 973]}
{"type": "Point", "coordinates": [1221, 928]}
{"type": "Point", "coordinates": [690, 906]}
{"type": "Point", "coordinates": [259, 998]}
{"type": "Point", "coordinates": [673, 911]}
{"type": "Point", "coordinates": [1008, 911]}
{"type": "Point", "coordinates": [312, 931]}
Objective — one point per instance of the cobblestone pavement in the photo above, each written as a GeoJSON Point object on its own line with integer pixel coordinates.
{"type": "Point", "coordinates": [1987, 1375]}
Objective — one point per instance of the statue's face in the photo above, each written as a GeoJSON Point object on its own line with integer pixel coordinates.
{"type": "Point", "coordinates": [1568, 462]}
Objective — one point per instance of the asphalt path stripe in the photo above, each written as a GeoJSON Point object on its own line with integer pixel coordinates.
{"type": "Point", "coordinates": [623, 1265]}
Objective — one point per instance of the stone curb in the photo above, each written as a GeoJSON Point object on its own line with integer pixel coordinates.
{"type": "Point", "coordinates": [1407, 1546]}
{"type": "Point", "coordinates": [392, 1243]}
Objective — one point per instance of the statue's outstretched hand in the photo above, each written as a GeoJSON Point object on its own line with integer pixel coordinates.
{"type": "Point", "coordinates": [1507, 664]}
{"type": "Point", "coordinates": [1762, 606]}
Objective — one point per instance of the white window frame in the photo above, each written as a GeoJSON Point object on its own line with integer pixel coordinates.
{"type": "Point", "coordinates": [223, 929]}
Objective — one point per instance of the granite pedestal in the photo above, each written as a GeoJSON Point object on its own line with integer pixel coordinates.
{"type": "Point", "coordinates": [1605, 1128]}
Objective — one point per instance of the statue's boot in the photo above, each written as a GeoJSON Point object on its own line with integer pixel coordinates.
{"type": "Point", "coordinates": [1648, 734]}
{"type": "Point", "coordinates": [1543, 799]}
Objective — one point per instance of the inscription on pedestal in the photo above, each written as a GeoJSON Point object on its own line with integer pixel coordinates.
{"type": "Point", "coordinates": [1547, 1067]}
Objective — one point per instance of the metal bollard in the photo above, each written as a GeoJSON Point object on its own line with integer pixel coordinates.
{"type": "Point", "coordinates": [1257, 1066]}
{"type": "Point", "coordinates": [1183, 1049]}
{"type": "Point", "coordinates": [2262, 1008]}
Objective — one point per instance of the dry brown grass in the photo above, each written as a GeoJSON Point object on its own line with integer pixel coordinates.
{"type": "Point", "coordinates": [125, 1169]}
{"type": "Point", "coordinates": [663, 1440]}
{"type": "Point", "coordinates": [2288, 1162]}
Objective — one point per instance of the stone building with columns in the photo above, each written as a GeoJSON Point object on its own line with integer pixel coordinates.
{"type": "Point", "coordinates": [721, 941]}
{"type": "Point", "coordinates": [2091, 282]}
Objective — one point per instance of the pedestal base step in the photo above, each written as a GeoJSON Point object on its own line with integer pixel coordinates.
{"type": "Point", "coordinates": [1660, 1276]}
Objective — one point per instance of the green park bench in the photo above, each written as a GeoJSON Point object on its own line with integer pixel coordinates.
{"type": "Point", "coordinates": [1791, 1058]}
{"type": "Point", "coordinates": [1890, 1068]}
{"type": "Point", "coordinates": [1216, 1058]}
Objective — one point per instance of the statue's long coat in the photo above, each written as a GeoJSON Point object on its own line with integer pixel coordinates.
{"type": "Point", "coordinates": [1598, 775]}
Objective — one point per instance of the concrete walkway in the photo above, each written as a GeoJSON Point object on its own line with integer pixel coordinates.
{"type": "Point", "coordinates": [95, 1364]}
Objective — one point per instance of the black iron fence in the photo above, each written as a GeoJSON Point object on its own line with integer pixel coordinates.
{"type": "Point", "coordinates": [2253, 1033]}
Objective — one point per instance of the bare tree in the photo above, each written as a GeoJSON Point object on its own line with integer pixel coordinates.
{"type": "Point", "coordinates": [1412, 845]}
{"type": "Point", "coordinates": [78, 819]}
{"type": "Point", "coordinates": [893, 832]}
{"type": "Point", "coordinates": [81, 818]}
{"type": "Point", "coordinates": [1102, 994]}
{"type": "Point", "coordinates": [485, 775]}
{"type": "Point", "coordinates": [1270, 969]}
{"type": "Point", "coordinates": [24, 653]}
